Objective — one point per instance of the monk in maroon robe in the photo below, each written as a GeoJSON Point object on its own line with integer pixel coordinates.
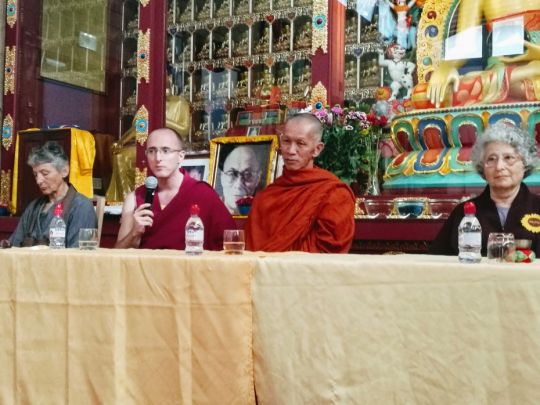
{"type": "Point", "coordinates": [307, 208]}
{"type": "Point", "coordinates": [161, 225]}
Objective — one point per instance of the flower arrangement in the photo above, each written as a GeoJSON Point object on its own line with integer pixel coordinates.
{"type": "Point", "coordinates": [244, 204]}
{"type": "Point", "coordinates": [351, 139]}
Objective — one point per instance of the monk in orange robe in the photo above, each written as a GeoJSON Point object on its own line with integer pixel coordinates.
{"type": "Point", "coordinates": [307, 208]}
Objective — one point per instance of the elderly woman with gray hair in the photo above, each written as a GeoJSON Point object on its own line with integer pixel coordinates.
{"type": "Point", "coordinates": [503, 156]}
{"type": "Point", "coordinates": [51, 168]}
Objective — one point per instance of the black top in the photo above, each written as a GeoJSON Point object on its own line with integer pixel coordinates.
{"type": "Point", "coordinates": [519, 222]}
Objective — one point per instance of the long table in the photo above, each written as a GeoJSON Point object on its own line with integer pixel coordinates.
{"type": "Point", "coordinates": [126, 326]}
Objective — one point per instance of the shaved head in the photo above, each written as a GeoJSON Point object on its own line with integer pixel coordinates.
{"type": "Point", "coordinates": [315, 126]}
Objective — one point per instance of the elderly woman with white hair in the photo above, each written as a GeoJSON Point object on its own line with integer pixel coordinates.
{"type": "Point", "coordinates": [504, 155]}
{"type": "Point", "coordinates": [51, 169]}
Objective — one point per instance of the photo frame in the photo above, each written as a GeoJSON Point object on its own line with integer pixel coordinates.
{"type": "Point", "coordinates": [197, 166]}
{"type": "Point", "coordinates": [271, 117]}
{"type": "Point", "coordinates": [243, 118]}
{"type": "Point", "coordinates": [241, 166]}
{"type": "Point", "coordinates": [253, 131]}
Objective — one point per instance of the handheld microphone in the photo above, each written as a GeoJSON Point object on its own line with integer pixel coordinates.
{"type": "Point", "coordinates": [150, 183]}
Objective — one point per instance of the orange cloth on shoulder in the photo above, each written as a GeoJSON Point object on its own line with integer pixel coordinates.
{"type": "Point", "coordinates": [309, 210]}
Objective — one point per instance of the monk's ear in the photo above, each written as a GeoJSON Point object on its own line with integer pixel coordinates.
{"type": "Point", "coordinates": [318, 149]}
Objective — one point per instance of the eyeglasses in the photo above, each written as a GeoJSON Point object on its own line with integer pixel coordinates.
{"type": "Point", "coordinates": [165, 151]}
{"type": "Point", "coordinates": [508, 160]}
{"type": "Point", "coordinates": [246, 176]}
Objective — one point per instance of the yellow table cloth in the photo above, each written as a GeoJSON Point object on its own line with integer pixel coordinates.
{"type": "Point", "coordinates": [124, 327]}
{"type": "Point", "coordinates": [405, 329]}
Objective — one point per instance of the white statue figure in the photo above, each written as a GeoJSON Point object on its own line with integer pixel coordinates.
{"type": "Point", "coordinates": [400, 70]}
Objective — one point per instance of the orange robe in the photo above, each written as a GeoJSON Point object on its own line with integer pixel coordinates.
{"type": "Point", "coordinates": [309, 210]}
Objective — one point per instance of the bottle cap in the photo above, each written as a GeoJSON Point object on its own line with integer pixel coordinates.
{"type": "Point", "coordinates": [195, 209]}
{"type": "Point", "coordinates": [469, 208]}
{"type": "Point", "coordinates": [58, 209]}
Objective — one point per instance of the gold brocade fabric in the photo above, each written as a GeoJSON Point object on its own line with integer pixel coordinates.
{"type": "Point", "coordinates": [178, 117]}
{"type": "Point", "coordinates": [124, 327]}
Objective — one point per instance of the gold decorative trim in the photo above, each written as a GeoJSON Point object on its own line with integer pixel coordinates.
{"type": "Point", "coordinates": [143, 56]}
{"type": "Point", "coordinates": [145, 2]}
{"type": "Point", "coordinates": [531, 222]}
{"type": "Point", "coordinates": [141, 125]}
{"type": "Point", "coordinates": [319, 96]}
{"type": "Point", "coordinates": [140, 176]}
{"type": "Point", "coordinates": [11, 13]}
{"type": "Point", "coordinates": [9, 70]}
{"type": "Point", "coordinates": [319, 26]}
{"type": "Point", "coordinates": [5, 187]}
{"type": "Point", "coordinates": [7, 132]}
{"type": "Point", "coordinates": [429, 49]}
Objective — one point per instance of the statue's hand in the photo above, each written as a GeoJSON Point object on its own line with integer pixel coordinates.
{"type": "Point", "coordinates": [443, 76]}
{"type": "Point", "coordinates": [532, 53]}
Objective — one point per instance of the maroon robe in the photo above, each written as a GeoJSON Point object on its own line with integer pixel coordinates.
{"type": "Point", "coordinates": [168, 230]}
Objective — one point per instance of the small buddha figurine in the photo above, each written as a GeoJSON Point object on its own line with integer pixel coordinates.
{"type": "Point", "coordinates": [283, 79]}
{"type": "Point", "coordinates": [303, 38]}
{"type": "Point", "coordinates": [185, 55]}
{"type": "Point", "coordinates": [303, 80]}
{"type": "Point", "coordinates": [204, 12]}
{"type": "Point", "coordinates": [241, 47]}
{"type": "Point", "coordinates": [204, 53]}
{"type": "Point", "coordinates": [241, 7]}
{"type": "Point", "coordinates": [223, 9]}
{"type": "Point", "coordinates": [350, 73]}
{"type": "Point", "coordinates": [283, 42]}
{"type": "Point", "coordinates": [350, 30]}
{"type": "Point", "coordinates": [262, 43]}
{"type": "Point", "coordinates": [223, 51]}
{"type": "Point", "coordinates": [185, 15]}
{"type": "Point", "coordinates": [241, 85]}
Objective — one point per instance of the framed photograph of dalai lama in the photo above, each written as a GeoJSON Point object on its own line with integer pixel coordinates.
{"type": "Point", "coordinates": [196, 166]}
{"type": "Point", "coordinates": [240, 166]}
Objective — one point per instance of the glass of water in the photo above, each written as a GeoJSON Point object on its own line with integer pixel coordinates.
{"type": "Point", "coordinates": [233, 241]}
{"type": "Point", "coordinates": [88, 238]}
{"type": "Point", "coordinates": [501, 247]}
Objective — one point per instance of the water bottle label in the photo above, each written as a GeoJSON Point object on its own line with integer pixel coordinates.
{"type": "Point", "coordinates": [194, 235]}
{"type": "Point", "coordinates": [57, 233]}
{"type": "Point", "coordinates": [470, 239]}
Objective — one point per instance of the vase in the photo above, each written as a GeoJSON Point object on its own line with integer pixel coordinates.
{"type": "Point", "coordinates": [372, 185]}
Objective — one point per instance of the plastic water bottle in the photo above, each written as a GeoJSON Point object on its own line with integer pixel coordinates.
{"type": "Point", "coordinates": [194, 232]}
{"type": "Point", "coordinates": [57, 230]}
{"type": "Point", "coordinates": [470, 236]}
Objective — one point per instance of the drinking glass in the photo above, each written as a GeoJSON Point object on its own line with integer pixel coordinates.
{"type": "Point", "coordinates": [88, 239]}
{"type": "Point", "coordinates": [233, 241]}
{"type": "Point", "coordinates": [501, 247]}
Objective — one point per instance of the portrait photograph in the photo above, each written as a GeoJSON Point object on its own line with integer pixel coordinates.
{"type": "Point", "coordinates": [253, 131]}
{"type": "Point", "coordinates": [240, 166]}
{"type": "Point", "coordinates": [196, 167]}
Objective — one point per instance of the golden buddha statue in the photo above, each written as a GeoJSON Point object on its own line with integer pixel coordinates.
{"type": "Point", "coordinates": [350, 73]}
{"type": "Point", "coordinates": [240, 47]}
{"type": "Point", "coordinates": [204, 12]}
{"type": "Point", "coordinates": [185, 15]}
{"type": "Point", "coordinates": [263, 42]}
{"type": "Point", "coordinates": [223, 51]}
{"type": "Point", "coordinates": [302, 82]}
{"type": "Point", "coordinates": [204, 52]}
{"type": "Point", "coordinates": [283, 79]}
{"type": "Point", "coordinates": [241, 7]}
{"type": "Point", "coordinates": [241, 85]}
{"type": "Point", "coordinates": [223, 9]}
{"type": "Point", "coordinates": [351, 30]}
{"type": "Point", "coordinates": [303, 37]}
{"type": "Point", "coordinates": [283, 42]}
{"type": "Point", "coordinates": [177, 117]}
